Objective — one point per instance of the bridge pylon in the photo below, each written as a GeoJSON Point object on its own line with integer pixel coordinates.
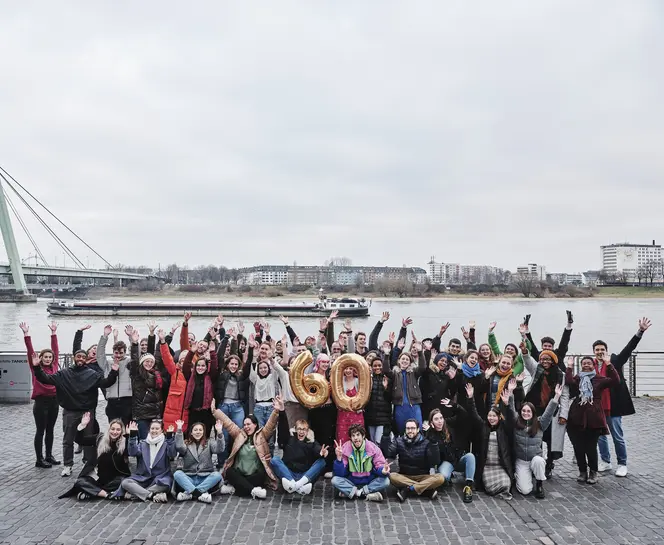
{"type": "Point", "coordinates": [12, 250]}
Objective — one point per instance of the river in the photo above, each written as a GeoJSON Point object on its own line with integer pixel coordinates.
{"type": "Point", "coordinates": [612, 320]}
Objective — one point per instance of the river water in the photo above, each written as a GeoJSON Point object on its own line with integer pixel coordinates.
{"type": "Point", "coordinates": [612, 320]}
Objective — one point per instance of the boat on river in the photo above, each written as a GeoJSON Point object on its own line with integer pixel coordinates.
{"type": "Point", "coordinates": [347, 307]}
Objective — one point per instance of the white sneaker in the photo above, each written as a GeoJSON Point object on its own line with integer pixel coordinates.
{"type": "Point", "coordinates": [305, 489]}
{"type": "Point", "coordinates": [602, 466]}
{"type": "Point", "coordinates": [227, 490]}
{"type": "Point", "coordinates": [621, 471]}
{"type": "Point", "coordinates": [258, 493]}
{"type": "Point", "coordinates": [375, 496]}
{"type": "Point", "coordinates": [328, 475]}
{"type": "Point", "coordinates": [289, 485]}
{"type": "Point", "coordinates": [160, 498]}
{"type": "Point", "coordinates": [66, 471]}
{"type": "Point", "coordinates": [183, 496]}
{"type": "Point", "coordinates": [129, 497]}
{"type": "Point", "coordinates": [206, 497]}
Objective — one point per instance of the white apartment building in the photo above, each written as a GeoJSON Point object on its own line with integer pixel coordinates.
{"type": "Point", "coordinates": [451, 274]}
{"type": "Point", "coordinates": [569, 279]}
{"type": "Point", "coordinates": [626, 258]}
{"type": "Point", "coordinates": [276, 275]}
{"type": "Point", "coordinates": [534, 270]}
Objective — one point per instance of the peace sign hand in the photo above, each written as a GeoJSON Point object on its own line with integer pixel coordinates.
{"type": "Point", "coordinates": [338, 450]}
{"type": "Point", "coordinates": [324, 451]}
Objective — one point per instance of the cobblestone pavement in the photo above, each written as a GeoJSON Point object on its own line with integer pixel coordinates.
{"type": "Point", "coordinates": [615, 511]}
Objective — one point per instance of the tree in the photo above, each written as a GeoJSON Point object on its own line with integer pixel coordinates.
{"type": "Point", "coordinates": [526, 284]}
{"type": "Point", "coordinates": [338, 262]}
{"type": "Point", "coordinates": [652, 271]}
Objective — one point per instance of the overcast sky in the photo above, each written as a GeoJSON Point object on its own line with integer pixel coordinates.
{"type": "Point", "coordinates": [388, 132]}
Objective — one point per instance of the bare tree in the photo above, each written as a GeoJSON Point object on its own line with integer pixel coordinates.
{"type": "Point", "coordinates": [652, 271]}
{"type": "Point", "coordinates": [526, 284]}
{"type": "Point", "coordinates": [338, 262]}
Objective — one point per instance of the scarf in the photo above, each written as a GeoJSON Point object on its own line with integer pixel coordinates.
{"type": "Point", "coordinates": [207, 392]}
{"type": "Point", "coordinates": [545, 387]}
{"type": "Point", "coordinates": [359, 461]}
{"type": "Point", "coordinates": [155, 444]}
{"type": "Point", "coordinates": [606, 392]}
{"type": "Point", "coordinates": [505, 377]}
{"type": "Point", "coordinates": [469, 371]}
{"type": "Point", "coordinates": [586, 386]}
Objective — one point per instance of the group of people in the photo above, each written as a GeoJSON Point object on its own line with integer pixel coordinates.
{"type": "Point", "coordinates": [218, 407]}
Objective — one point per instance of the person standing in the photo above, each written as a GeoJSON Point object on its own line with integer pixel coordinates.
{"type": "Point", "coordinates": [118, 398]}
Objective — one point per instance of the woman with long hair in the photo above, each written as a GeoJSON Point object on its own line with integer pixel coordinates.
{"type": "Point", "coordinates": [112, 461]}
{"type": "Point", "coordinates": [45, 408]}
{"type": "Point", "coordinates": [179, 372]}
{"type": "Point", "coordinates": [346, 419]}
{"type": "Point", "coordinates": [323, 419]}
{"type": "Point", "coordinates": [198, 475]}
{"type": "Point", "coordinates": [200, 387]}
{"type": "Point", "coordinates": [406, 393]}
{"type": "Point", "coordinates": [146, 384]}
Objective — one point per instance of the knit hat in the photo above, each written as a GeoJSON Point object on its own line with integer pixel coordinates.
{"type": "Point", "coordinates": [145, 357]}
{"type": "Point", "coordinates": [440, 356]}
{"type": "Point", "coordinates": [551, 354]}
{"type": "Point", "coordinates": [80, 352]}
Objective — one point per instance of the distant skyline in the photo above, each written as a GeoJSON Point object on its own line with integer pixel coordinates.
{"type": "Point", "coordinates": [243, 134]}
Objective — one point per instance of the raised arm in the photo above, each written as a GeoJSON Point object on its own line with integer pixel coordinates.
{"type": "Point", "coordinates": [621, 359]}
{"type": "Point", "coordinates": [102, 361]}
{"type": "Point", "coordinates": [375, 332]}
{"type": "Point", "coordinates": [184, 332]}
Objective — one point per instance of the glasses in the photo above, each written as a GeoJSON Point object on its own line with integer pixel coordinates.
{"type": "Point", "coordinates": [301, 429]}
{"type": "Point", "coordinates": [411, 428]}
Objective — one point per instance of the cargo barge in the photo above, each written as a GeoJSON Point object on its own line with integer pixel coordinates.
{"type": "Point", "coordinates": [347, 308]}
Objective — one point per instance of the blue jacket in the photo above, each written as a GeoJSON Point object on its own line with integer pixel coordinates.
{"type": "Point", "coordinates": [160, 473]}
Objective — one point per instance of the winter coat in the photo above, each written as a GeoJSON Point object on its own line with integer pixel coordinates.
{"type": "Point", "coordinates": [525, 446]}
{"type": "Point", "coordinates": [198, 460]}
{"type": "Point", "coordinates": [160, 473]}
{"type": "Point", "coordinates": [416, 457]}
{"type": "Point", "coordinates": [77, 387]}
{"type": "Point", "coordinates": [590, 415]}
{"type": "Point", "coordinates": [561, 351]}
{"type": "Point", "coordinates": [205, 382]}
{"type": "Point", "coordinates": [122, 386]}
{"type": "Point", "coordinates": [533, 396]}
{"type": "Point", "coordinates": [39, 389]}
{"type": "Point", "coordinates": [463, 423]}
{"type": "Point", "coordinates": [175, 409]}
{"type": "Point", "coordinates": [378, 462]}
{"type": "Point", "coordinates": [620, 399]}
{"type": "Point", "coordinates": [242, 383]}
{"type": "Point", "coordinates": [412, 387]}
{"type": "Point", "coordinates": [261, 443]}
{"type": "Point", "coordinates": [146, 387]}
{"type": "Point", "coordinates": [505, 437]}
{"type": "Point", "coordinates": [298, 455]}
{"type": "Point", "coordinates": [435, 385]}
{"type": "Point", "coordinates": [378, 411]}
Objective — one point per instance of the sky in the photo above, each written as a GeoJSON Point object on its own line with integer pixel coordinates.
{"type": "Point", "coordinates": [236, 134]}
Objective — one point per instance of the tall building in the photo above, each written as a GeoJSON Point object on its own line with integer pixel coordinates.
{"type": "Point", "coordinates": [534, 270]}
{"type": "Point", "coordinates": [454, 274]}
{"type": "Point", "coordinates": [625, 258]}
{"type": "Point", "coordinates": [271, 275]}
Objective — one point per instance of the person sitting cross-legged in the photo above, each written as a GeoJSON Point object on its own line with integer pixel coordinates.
{"type": "Point", "coordinates": [418, 460]}
{"type": "Point", "coordinates": [303, 460]}
{"type": "Point", "coordinates": [360, 469]}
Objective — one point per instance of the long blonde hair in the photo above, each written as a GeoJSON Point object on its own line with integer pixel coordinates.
{"type": "Point", "coordinates": [104, 443]}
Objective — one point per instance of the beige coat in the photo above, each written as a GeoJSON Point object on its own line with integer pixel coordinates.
{"type": "Point", "coordinates": [261, 437]}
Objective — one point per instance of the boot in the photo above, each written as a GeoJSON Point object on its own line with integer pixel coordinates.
{"type": "Point", "coordinates": [42, 463]}
{"type": "Point", "coordinates": [539, 490]}
{"type": "Point", "coordinates": [548, 471]}
{"type": "Point", "coordinates": [583, 476]}
{"type": "Point", "coordinates": [592, 477]}
{"type": "Point", "coordinates": [51, 460]}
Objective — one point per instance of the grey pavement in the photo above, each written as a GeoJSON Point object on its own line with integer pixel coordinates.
{"type": "Point", "coordinates": [614, 512]}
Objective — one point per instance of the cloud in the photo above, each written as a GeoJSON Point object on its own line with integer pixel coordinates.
{"type": "Point", "coordinates": [246, 134]}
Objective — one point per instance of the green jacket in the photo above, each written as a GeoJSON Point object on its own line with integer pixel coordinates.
{"type": "Point", "coordinates": [495, 348]}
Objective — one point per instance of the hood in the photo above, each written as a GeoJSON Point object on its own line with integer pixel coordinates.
{"type": "Point", "coordinates": [308, 439]}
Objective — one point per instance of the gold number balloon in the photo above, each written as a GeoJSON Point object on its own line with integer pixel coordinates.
{"type": "Point", "coordinates": [311, 390]}
{"type": "Point", "coordinates": [341, 400]}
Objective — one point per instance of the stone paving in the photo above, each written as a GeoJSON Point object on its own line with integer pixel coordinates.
{"type": "Point", "coordinates": [614, 512]}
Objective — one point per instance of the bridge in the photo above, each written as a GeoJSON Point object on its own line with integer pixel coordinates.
{"type": "Point", "coordinates": [18, 271]}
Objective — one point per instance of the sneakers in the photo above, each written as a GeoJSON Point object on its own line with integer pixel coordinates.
{"type": "Point", "coordinates": [43, 464]}
{"type": "Point", "coordinates": [621, 471]}
{"type": "Point", "coordinates": [507, 496]}
{"type": "Point", "coordinates": [205, 497]}
{"type": "Point", "coordinates": [160, 498]}
{"type": "Point", "coordinates": [183, 496]}
{"type": "Point", "coordinates": [66, 471]}
{"type": "Point", "coordinates": [402, 494]}
{"type": "Point", "coordinates": [433, 495]}
{"type": "Point", "coordinates": [328, 475]}
{"type": "Point", "coordinates": [548, 471]}
{"type": "Point", "coordinates": [539, 490]}
{"type": "Point", "coordinates": [583, 477]}
{"type": "Point", "coordinates": [129, 497]}
{"type": "Point", "coordinates": [288, 484]}
{"type": "Point", "coordinates": [592, 477]}
{"type": "Point", "coordinates": [305, 489]}
{"type": "Point", "coordinates": [82, 496]}
{"type": "Point", "coordinates": [258, 493]}
{"type": "Point", "coordinates": [227, 490]}
{"type": "Point", "coordinates": [375, 496]}
{"type": "Point", "coordinates": [52, 460]}
{"type": "Point", "coordinates": [467, 494]}
{"type": "Point", "coordinates": [603, 466]}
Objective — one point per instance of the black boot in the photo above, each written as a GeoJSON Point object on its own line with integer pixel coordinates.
{"type": "Point", "coordinates": [42, 463]}
{"type": "Point", "coordinates": [51, 460]}
{"type": "Point", "coordinates": [539, 490]}
{"type": "Point", "coordinates": [548, 471]}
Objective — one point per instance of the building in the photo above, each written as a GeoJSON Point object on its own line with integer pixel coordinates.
{"type": "Point", "coordinates": [533, 270]}
{"type": "Point", "coordinates": [454, 274]}
{"type": "Point", "coordinates": [631, 261]}
{"type": "Point", "coordinates": [314, 275]}
{"type": "Point", "coordinates": [568, 279]}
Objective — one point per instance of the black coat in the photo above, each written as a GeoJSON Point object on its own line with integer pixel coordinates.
{"type": "Point", "coordinates": [464, 424]}
{"type": "Point", "coordinates": [77, 387]}
{"type": "Point", "coordinates": [505, 434]}
{"type": "Point", "coordinates": [621, 400]}
{"type": "Point", "coordinates": [146, 389]}
{"type": "Point", "coordinates": [561, 351]}
{"type": "Point", "coordinates": [416, 457]}
{"type": "Point", "coordinates": [298, 455]}
{"type": "Point", "coordinates": [435, 385]}
{"type": "Point", "coordinates": [378, 411]}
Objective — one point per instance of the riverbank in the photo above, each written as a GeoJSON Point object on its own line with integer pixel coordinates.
{"type": "Point", "coordinates": [223, 293]}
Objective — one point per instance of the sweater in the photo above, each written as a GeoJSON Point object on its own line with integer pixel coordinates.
{"type": "Point", "coordinates": [197, 460]}
{"type": "Point", "coordinates": [77, 387]}
{"type": "Point", "coordinates": [38, 388]}
{"type": "Point", "coordinates": [122, 386]}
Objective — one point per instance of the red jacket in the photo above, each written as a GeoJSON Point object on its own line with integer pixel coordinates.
{"type": "Point", "coordinates": [39, 389]}
{"type": "Point", "coordinates": [175, 409]}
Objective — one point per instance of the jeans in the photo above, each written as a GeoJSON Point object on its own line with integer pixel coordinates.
{"type": "Point", "coordinates": [614, 424]}
{"type": "Point", "coordinates": [189, 483]}
{"type": "Point", "coordinates": [235, 412]}
{"type": "Point", "coordinates": [143, 428]}
{"type": "Point", "coordinates": [262, 413]}
{"type": "Point", "coordinates": [346, 487]}
{"type": "Point", "coordinates": [283, 472]}
{"type": "Point", "coordinates": [467, 462]}
{"type": "Point", "coordinates": [375, 433]}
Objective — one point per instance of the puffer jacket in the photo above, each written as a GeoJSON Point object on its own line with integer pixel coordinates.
{"type": "Point", "coordinates": [416, 457]}
{"type": "Point", "coordinates": [525, 446]}
{"type": "Point", "coordinates": [378, 411]}
{"type": "Point", "coordinates": [413, 373]}
{"type": "Point", "coordinates": [197, 460]}
{"type": "Point", "coordinates": [298, 455]}
{"type": "Point", "coordinates": [146, 387]}
{"type": "Point", "coordinates": [122, 386]}
{"type": "Point", "coordinates": [242, 383]}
